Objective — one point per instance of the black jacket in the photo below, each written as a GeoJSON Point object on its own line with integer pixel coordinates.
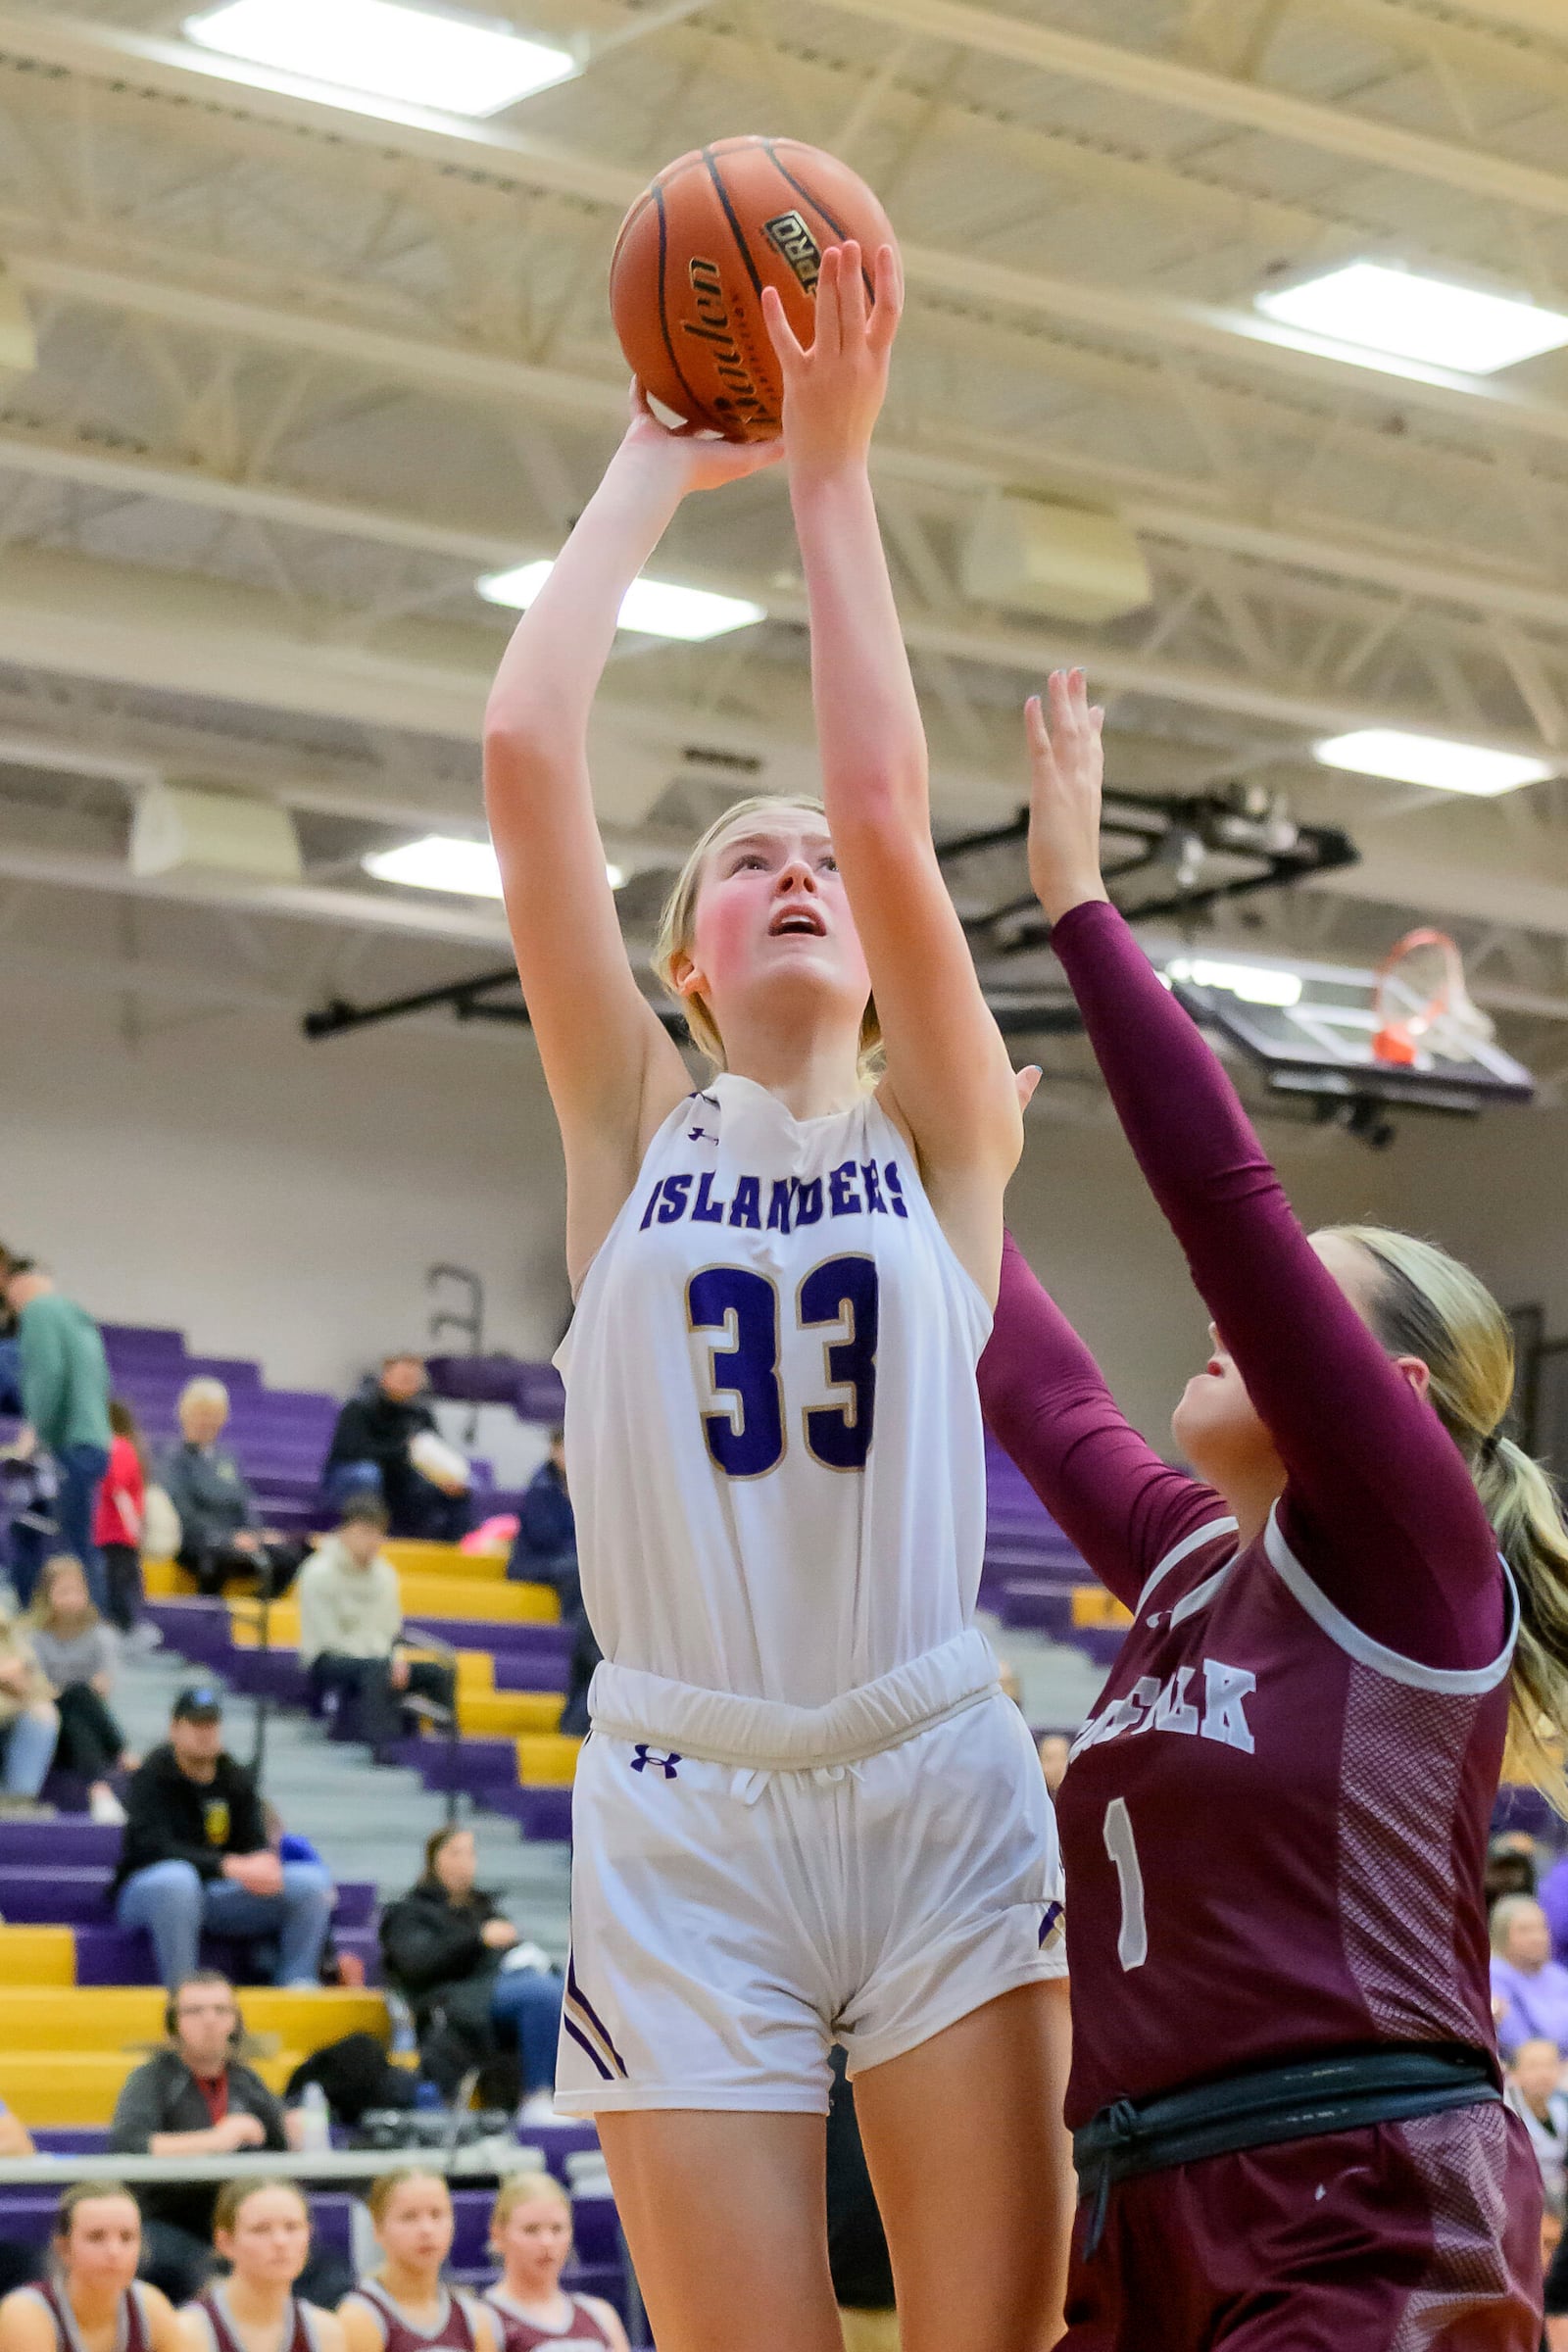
{"type": "Point", "coordinates": [170, 1818]}
{"type": "Point", "coordinates": [162, 2097]}
{"type": "Point", "coordinates": [374, 1427]}
{"type": "Point", "coordinates": [430, 1943]}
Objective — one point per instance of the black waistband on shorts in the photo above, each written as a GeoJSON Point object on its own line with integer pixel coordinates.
{"type": "Point", "coordinates": [1342, 2090]}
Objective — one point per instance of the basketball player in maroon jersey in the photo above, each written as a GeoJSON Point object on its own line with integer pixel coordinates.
{"type": "Point", "coordinates": [530, 2231]}
{"type": "Point", "coordinates": [94, 2301]}
{"type": "Point", "coordinates": [1285, 2090]}
{"type": "Point", "coordinates": [261, 2229]}
{"type": "Point", "coordinates": [406, 2305]}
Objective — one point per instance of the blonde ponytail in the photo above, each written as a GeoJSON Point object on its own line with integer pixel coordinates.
{"type": "Point", "coordinates": [1426, 1305]}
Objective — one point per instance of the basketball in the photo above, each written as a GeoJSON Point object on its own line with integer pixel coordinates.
{"type": "Point", "coordinates": [693, 256]}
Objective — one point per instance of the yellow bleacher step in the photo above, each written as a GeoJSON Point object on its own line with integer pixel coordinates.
{"type": "Point", "coordinates": [466, 1597]}
{"type": "Point", "coordinates": [412, 1558]}
{"type": "Point", "coordinates": [37, 1956]}
{"type": "Point", "coordinates": [501, 1714]}
{"type": "Point", "coordinates": [1091, 1604]}
{"type": "Point", "coordinates": [547, 1756]}
{"type": "Point", "coordinates": [81, 2087]}
{"type": "Point", "coordinates": [87, 2018]}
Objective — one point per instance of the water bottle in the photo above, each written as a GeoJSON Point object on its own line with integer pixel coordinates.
{"type": "Point", "coordinates": [318, 2133]}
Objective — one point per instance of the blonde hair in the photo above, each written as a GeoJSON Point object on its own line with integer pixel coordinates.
{"type": "Point", "coordinates": [525, 2188]}
{"type": "Point", "coordinates": [1426, 1305]}
{"type": "Point", "coordinates": [678, 924]}
{"type": "Point", "coordinates": [235, 2195]}
{"type": "Point", "coordinates": [384, 2187]}
{"type": "Point", "coordinates": [1504, 1911]}
{"type": "Point", "coordinates": [40, 1613]}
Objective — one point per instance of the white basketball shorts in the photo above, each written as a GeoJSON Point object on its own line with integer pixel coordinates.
{"type": "Point", "coordinates": [738, 1909]}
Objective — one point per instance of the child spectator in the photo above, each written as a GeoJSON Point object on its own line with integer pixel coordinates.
{"type": "Point", "coordinates": [29, 1723]}
{"type": "Point", "coordinates": [116, 1526]}
{"type": "Point", "coordinates": [80, 1653]}
{"type": "Point", "coordinates": [351, 1622]}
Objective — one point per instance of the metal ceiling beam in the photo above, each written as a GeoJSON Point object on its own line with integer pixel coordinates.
{"type": "Point", "coordinates": [87, 462]}
{"type": "Point", "coordinates": [83, 45]}
{"type": "Point", "coordinates": [187, 635]}
{"type": "Point", "coordinates": [1360, 138]}
{"type": "Point", "coordinates": [1207, 329]}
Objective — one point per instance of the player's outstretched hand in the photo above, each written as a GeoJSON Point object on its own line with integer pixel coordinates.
{"type": "Point", "coordinates": [692, 460]}
{"type": "Point", "coordinates": [1067, 761]}
{"type": "Point", "coordinates": [834, 390]}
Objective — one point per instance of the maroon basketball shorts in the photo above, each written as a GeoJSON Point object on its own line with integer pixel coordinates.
{"type": "Point", "coordinates": [1414, 2236]}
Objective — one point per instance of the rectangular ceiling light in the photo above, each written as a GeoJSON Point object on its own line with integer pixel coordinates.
{"type": "Point", "coordinates": [1254, 983]}
{"type": "Point", "coordinates": [1408, 316]}
{"type": "Point", "coordinates": [383, 50]}
{"type": "Point", "coordinates": [443, 861]}
{"type": "Point", "coordinates": [653, 607]}
{"type": "Point", "coordinates": [1431, 761]}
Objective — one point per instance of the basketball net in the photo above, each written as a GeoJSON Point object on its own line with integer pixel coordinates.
{"type": "Point", "coordinates": [1446, 1019]}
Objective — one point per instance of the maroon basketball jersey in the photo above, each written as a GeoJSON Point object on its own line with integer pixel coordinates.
{"type": "Point", "coordinates": [453, 2331]}
{"type": "Point", "coordinates": [131, 2334]}
{"type": "Point", "coordinates": [298, 2333]}
{"type": "Point", "coordinates": [520, 2335]}
{"type": "Point", "coordinates": [1273, 1832]}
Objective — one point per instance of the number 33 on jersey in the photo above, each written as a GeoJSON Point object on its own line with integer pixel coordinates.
{"type": "Point", "coordinates": [770, 1385]}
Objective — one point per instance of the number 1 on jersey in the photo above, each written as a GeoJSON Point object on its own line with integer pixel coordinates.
{"type": "Point", "coordinates": [1132, 1945]}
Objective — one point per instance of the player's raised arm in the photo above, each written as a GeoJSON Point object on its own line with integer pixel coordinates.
{"type": "Point", "coordinates": [612, 1070]}
{"type": "Point", "coordinates": [949, 1078]}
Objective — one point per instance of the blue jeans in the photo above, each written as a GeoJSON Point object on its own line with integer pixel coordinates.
{"type": "Point", "coordinates": [27, 1750]}
{"type": "Point", "coordinates": [81, 1474]}
{"type": "Point", "coordinates": [526, 2004]}
{"type": "Point", "coordinates": [173, 1903]}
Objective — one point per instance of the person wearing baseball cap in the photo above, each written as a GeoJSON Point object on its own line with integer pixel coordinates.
{"type": "Point", "coordinates": [194, 1854]}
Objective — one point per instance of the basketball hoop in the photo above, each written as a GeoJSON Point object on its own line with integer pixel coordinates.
{"type": "Point", "coordinates": [1445, 1019]}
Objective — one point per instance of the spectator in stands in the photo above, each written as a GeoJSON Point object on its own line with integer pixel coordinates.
{"type": "Point", "coordinates": [261, 2229]}
{"type": "Point", "coordinates": [351, 1622]}
{"type": "Point", "coordinates": [116, 1526]}
{"type": "Point", "coordinates": [386, 1442]}
{"type": "Point", "coordinates": [80, 1653]}
{"type": "Point", "coordinates": [29, 1725]}
{"type": "Point", "coordinates": [28, 1486]}
{"type": "Point", "coordinates": [413, 2221]}
{"type": "Point", "coordinates": [195, 1855]}
{"type": "Point", "coordinates": [1054, 1748]}
{"type": "Point", "coordinates": [18, 2261]}
{"type": "Point", "coordinates": [221, 1528]}
{"type": "Point", "coordinates": [1531, 1985]}
{"type": "Point", "coordinates": [543, 1551]}
{"type": "Point", "coordinates": [471, 1981]}
{"type": "Point", "coordinates": [92, 2300]}
{"type": "Point", "coordinates": [65, 1395]}
{"type": "Point", "coordinates": [1511, 1865]}
{"type": "Point", "coordinates": [1535, 2093]}
{"type": "Point", "coordinates": [530, 2237]}
{"type": "Point", "coordinates": [195, 2098]}
{"type": "Point", "coordinates": [9, 1352]}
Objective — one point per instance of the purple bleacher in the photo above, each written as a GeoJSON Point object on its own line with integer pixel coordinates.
{"type": "Point", "coordinates": [535, 1391]}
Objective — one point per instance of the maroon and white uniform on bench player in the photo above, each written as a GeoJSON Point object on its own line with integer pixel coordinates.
{"type": "Point", "coordinates": [1275, 1823]}
{"type": "Point", "coordinates": [299, 2333]}
{"type": "Point", "coordinates": [454, 2331]}
{"type": "Point", "coordinates": [518, 2334]}
{"type": "Point", "coordinates": [134, 2334]}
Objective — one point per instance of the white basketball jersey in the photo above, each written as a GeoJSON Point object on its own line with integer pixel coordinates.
{"type": "Point", "coordinates": [773, 1435]}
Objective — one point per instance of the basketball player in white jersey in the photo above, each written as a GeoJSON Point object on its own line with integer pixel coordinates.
{"type": "Point", "coordinates": [806, 1813]}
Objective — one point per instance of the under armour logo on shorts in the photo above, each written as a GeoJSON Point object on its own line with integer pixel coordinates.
{"type": "Point", "coordinates": [644, 1758]}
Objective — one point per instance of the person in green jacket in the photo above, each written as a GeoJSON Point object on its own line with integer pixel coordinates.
{"type": "Point", "coordinates": [65, 1395]}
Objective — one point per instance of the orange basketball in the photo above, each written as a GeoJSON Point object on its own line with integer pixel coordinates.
{"type": "Point", "coordinates": [692, 259]}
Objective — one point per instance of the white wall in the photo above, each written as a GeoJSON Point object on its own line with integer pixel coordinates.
{"type": "Point", "coordinates": [282, 1199]}
{"type": "Point", "coordinates": [277, 1199]}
